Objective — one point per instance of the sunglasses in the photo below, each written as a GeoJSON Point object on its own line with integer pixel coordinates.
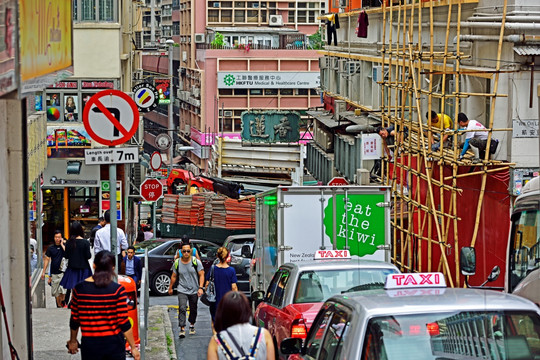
{"type": "Point", "coordinates": [186, 251]}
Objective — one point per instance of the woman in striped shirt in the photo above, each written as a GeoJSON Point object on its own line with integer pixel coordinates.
{"type": "Point", "coordinates": [99, 308]}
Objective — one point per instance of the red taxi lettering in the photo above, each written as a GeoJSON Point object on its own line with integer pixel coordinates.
{"type": "Point", "coordinates": [398, 278]}
{"type": "Point", "coordinates": [410, 280]}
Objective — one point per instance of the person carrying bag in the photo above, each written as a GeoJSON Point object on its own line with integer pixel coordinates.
{"type": "Point", "coordinates": [209, 296]}
{"type": "Point", "coordinates": [222, 278]}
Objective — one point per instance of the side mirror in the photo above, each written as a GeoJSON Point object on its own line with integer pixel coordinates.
{"type": "Point", "coordinates": [291, 346]}
{"type": "Point", "coordinates": [467, 261]}
{"type": "Point", "coordinates": [494, 274]}
{"type": "Point", "coordinates": [246, 251]}
{"type": "Point", "coordinates": [257, 297]}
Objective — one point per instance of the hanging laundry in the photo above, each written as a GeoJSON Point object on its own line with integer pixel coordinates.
{"type": "Point", "coordinates": [331, 32]}
{"type": "Point", "coordinates": [362, 25]}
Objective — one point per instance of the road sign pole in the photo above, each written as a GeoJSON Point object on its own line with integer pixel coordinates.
{"type": "Point", "coordinates": [112, 210]}
{"type": "Point", "coordinates": [171, 108]}
{"type": "Point", "coordinates": [154, 219]}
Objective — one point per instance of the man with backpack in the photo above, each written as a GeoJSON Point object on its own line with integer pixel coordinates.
{"type": "Point", "coordinates": [190, 274]}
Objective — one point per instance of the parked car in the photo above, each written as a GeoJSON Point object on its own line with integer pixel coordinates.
{"type": "Point", "coordinates": [240, 251]}
{"type": "Point", "coordinates": [298, 290]}
{"type": "Point", "coordinates": [161, 258]}
{"type": "Point", "coordinates": [419, 318]}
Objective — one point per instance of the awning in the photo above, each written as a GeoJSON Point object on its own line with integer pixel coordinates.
{"type": "Point", "coordinates": [527, 50]}
{"type": "Point", "coordinates": [327, 118]}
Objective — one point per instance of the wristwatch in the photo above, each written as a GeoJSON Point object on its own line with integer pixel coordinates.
{"type": "Point", "coordinates": [200, 287]}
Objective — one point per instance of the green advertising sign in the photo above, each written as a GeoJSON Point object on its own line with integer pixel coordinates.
{"type": "Point", "coordinates": [270, 126]}
{"type": "Point", "coordinates": [363, 224]}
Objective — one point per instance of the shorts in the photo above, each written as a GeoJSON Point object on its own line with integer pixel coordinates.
{"type": "Point", "coordinates": [56, 289]}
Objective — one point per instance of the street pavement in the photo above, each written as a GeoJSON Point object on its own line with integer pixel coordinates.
{"type": "Point", "coordinates": [192, 347]}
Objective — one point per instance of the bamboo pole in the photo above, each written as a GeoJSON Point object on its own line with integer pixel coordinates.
{"type": "Point", "coordinates": [491, 117]}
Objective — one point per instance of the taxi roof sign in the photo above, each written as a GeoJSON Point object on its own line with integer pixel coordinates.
{"type": "Point", "coordinates": [332, 254]}
{"type": "Point", "coordinates": [415, 280]}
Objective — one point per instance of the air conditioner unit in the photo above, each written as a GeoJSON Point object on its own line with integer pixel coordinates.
{"type": "Point", "coordinates": [195, 91]}
{"type": "Point", "coordinates": [276, 20]}
{"type": "Point", "coordinates": [352, 67]}
{"type": "Point", "coordinates": [199, 39]}
{"type": "Point", "coordinates": [323, 62]}
{"type": "Point", "coordinates": [376, 74]}
{"type": "Point", "coordinates": [227, 113]}
{"type": "Point", "coordinates": [340, 106]}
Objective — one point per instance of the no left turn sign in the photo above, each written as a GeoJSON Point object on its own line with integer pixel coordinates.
{"type": "Point", "coordinates": [111, 117]}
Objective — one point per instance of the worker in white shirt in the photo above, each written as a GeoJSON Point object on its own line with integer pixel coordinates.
{"type": "Point", "coordinates": [476, 136]}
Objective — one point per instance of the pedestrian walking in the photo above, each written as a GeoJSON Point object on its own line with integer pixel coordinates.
{"type": "Point", "coordinates": [178, 254]}
{"type": "Point", "coordinates": [190, 274]}
{"type": "Point", "coordinates": [102, 240]}
{"type": "Point", "coordinates": [77, 255]}
{"type": "Point", "coordinates": [235, 337]}
{"type": "Point", "coordinates": [133, 265]}
{"type": "Point", "coordinates": [224, 278]}
{"type": "Point", "coordinates": [101, 223]}
{"type": "Point", "coordinates": [105, 327]}
{"type": "Point", "coordinates": [53, 257]}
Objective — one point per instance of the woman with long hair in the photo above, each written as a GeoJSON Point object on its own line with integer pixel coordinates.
{"type": "Point", "coordinates": [224, 278]}
{"type": "Point", "coordinates": [100, 300]}
{"type": "Point", "coordinates": [77, 254]}
{"type": "Point", "coordinates": [235, 336]}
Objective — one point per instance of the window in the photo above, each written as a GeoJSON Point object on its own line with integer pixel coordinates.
{"type": "Point", "coordinates": [456, 335]}
{"type": "Point", "coordinates": [336, 334]}
{"type": "Point", "coordinates": [206, 251]}
{"type": "Point", "coordinates": [270, 92]}
{"type": "Point", "coordinates": [213, 15]}
{"type": "Point", "coordinates": [255, 92]}
{"type": "Point", "coordinates": [302, 91]}
{"type": "Point", "coordinates": [286, 91]}
{"type": "Point", "coordinates": [279, 292]}
{"type": "Point", "coordinates": [239, 16]}
{"type": "Point", "coordinates": [272, 287]}
{"type": "Point", "coordinates": [225, 91]}
{"type": "Point", "coordinates": [314, 341]}
{"type": "Point", "coordinates": [95, 10]}
{"type": "Point", "coordinates": [240, 92]}
{"type": "Point", "coordinates": [171, 251]}
{"type": "Point", "coordinates": [252, 16]}
{"type": "Point", "coordinates": [226, 15]}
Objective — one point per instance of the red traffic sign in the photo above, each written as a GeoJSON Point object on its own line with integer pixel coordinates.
{"type": "Point", "coordinates": [338, 181]}
{"type": "Point", "coordinates": [151, 190]}
{"type": "Point", "coordinates": [155, 161]}
{"type": "Point", "coordinates": [111, 117]}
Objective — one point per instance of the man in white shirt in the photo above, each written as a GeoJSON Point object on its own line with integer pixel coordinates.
{"type": "Point", "coordinates": [102, 240]}
{"type": "Point", "coordinates": [476, 136]}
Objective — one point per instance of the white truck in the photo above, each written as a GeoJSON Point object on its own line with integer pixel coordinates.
{"type": "Point", "coordinates": [292, 223]}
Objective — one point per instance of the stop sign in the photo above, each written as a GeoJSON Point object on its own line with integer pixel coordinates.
{"type": "Point", "coordinates": [338, 181]}
{"type": "Point", "coordinates": [151, 190]}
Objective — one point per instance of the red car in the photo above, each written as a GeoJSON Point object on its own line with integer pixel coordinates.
{"type": "Point", "coordinates": [298, 290]}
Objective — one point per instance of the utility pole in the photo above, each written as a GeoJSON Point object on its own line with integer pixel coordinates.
{"type": "Point", "coordinates": [170, 43]}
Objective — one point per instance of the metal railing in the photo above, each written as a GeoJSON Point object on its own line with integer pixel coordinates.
{"type": "Point", "coordinates": [143, 307]}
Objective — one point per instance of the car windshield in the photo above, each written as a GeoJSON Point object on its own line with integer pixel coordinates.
{"type": "Point", "coordinates": [148, 244]}
{"type": "Point", "coordinates": [235, 248]}
{"type": "Point", "coordinates": [319, 285]}
{"type": "Point", "coordinates": [457, 335]}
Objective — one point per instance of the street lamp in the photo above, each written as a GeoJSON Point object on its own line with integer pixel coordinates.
{"type": "Point", "coordinates": [170, 44]}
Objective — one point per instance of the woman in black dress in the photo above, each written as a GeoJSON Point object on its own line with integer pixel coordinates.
{"type": "Point", "coordinates": [77, 253]}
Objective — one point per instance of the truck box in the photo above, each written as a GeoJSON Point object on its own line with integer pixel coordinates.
{"type": "Point", "coordinates": [293, 222]}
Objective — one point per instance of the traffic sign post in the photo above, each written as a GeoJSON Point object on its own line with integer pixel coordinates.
{"type": "Point", "coordinates": [111, 118]}
{"type": "Point", "coordinates": [155, 161]}
{"type": "Point", "coordinates": [151, 190]}
{"type": "Point", "coordinates": [338, 181]}
{"type": "Point", "coordinates": [106, 156]}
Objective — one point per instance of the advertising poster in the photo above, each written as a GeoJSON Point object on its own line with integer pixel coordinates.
{"type": "Point", "coordinates": [45, 30]}
{"type": "Point", "coordinates": [67, 141]}
{"type": "Point", "coordinates": [164, 90]}
{"type": "Point", "coordinates": [105, 195]}
{"type": "Point", "coordinates": [8, 44]}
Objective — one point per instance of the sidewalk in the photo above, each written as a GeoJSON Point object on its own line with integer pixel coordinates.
{"type": "Point", "coordinates": [50, 327]}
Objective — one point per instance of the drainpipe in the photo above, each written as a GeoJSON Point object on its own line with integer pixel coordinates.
{"type": "Point", "coordinates": [516, 38]}
{"type": "Point", "coordinates": [509, 18]}
{"type": "Point", "coordinates": [497, 25]}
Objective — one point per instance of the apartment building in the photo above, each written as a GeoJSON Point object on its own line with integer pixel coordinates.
{"type": "Point", "coordinates": [267, 37]}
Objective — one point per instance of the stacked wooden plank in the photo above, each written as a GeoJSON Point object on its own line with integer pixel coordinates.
{"type": "Point", "coordinates": [183, 209]}
{"type": "Point", "coordinates": [233, 214]}
{"type": "Point", "coordinates": [168, 211]}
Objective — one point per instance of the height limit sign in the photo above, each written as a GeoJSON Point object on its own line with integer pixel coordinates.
{"type": "Point", "coordinates": [111, 117]}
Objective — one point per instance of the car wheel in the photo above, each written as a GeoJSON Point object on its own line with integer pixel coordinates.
{"type": "Point", "coordinates": [160, 284]}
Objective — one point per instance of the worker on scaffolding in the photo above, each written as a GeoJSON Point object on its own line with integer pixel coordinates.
{"type": "Point", "coordinates": [476, 136]}
{"type": "Point", "coordinates": [443, 122]}
{"type": "Point", "coordinates": [388, 136]}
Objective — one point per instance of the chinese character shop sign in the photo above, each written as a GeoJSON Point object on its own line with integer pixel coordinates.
{"type": "Point", "coordinates": [151, 190]}
{"type": "Point", "coordinates": [270, 126]}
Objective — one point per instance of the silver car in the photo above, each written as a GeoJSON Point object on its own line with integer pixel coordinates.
{"type": "Point", "coordinates": [421, 323]}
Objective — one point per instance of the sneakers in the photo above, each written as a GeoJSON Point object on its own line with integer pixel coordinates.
{"type": "Point", "coordinates": [191, 330]}
{"type": "Point", "coordinates": [182, 334]}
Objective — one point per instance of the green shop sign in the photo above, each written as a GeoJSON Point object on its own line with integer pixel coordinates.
{"type": "Point", "coordinates": [363, 224]}
{"type": "Point", "coordinates": [270, 126]}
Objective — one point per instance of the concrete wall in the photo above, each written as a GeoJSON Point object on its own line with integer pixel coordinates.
{"type": "Point", "coordinates": [14, 242]}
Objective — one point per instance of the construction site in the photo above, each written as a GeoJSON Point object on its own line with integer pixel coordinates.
{"type": "Point", "coordinates": [412, 58]}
